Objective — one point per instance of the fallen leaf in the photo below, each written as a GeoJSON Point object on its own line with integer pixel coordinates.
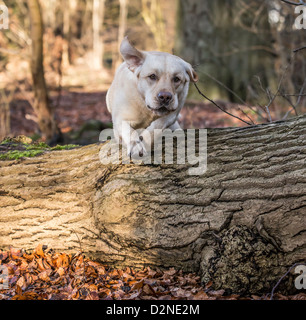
{"type": "Point", "coordinates": [147, 289]}
{"type": "Point", "coordinates": [200, 296]}
{"type": "Point", "coordinates": [44, 275]}
{"type": "Point", "coordinates": [21, 283]}
{"type": "Point", "coordinates": [60, 271]}
{"type": "Point", "coordinates": [138, 285]}
{"type": "Point", "coordinates": [216, 293]}
{"type": "Point", "coordinates": [3, 255]}
{"type": "Point", "coordinates": [39, 251]}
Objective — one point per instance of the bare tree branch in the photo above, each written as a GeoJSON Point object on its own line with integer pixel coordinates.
{"type": "Point", "coordinates": [214, 103]}
{"type": "Point", "coordinates": [233, 93]}
{"type": "Point", "coordinates": [299, 49]}
{"type": "Point", "coordinates": [294, 107]}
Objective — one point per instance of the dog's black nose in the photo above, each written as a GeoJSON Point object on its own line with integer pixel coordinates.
{"type": "Point", "coordinates": [164, 97]}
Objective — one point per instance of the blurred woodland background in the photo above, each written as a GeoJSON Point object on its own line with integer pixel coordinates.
{"type": "Point", "coordinates": [58, 58]}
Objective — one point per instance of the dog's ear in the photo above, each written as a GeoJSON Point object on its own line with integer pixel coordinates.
{"type": "Point", "coordinates": [133, 57]}
{"type": "Point", "coordinates": [192, 74]}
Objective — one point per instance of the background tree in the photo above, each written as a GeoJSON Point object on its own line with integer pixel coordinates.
{"type": "Point", "coordinates": [229, 41]}
{"type": "Point", "coordinates": [41, 105]}
{"type": "Point", "coordinates": [122, 27]}
{"type": "Point", "coordinates": [97, 26]}
{"type": "Point", "coordinates": [152, 13]}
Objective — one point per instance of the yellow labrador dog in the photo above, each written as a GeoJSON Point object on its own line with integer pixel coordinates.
{"type": "Point", "coordinates": [148, 92]}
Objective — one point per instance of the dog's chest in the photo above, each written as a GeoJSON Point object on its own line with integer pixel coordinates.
{"type": "Point", "coordinates": [144, 119]}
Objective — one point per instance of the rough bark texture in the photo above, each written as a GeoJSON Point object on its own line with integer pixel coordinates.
{"type": "Point", "coordinates": [241, 224]}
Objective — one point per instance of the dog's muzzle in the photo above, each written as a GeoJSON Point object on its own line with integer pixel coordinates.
{"type": "Point", "coordinates": [163, 100]}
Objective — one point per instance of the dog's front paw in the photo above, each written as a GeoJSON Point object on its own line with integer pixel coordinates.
{"type": "Point", "coordinates": [136, 149]}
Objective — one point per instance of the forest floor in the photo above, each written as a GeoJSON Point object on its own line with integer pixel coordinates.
{"type": "Point", "coordinates": [43, 274]}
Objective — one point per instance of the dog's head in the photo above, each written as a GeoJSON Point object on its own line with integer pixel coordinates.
{"type": "Point", "coordinates": [163, 79]}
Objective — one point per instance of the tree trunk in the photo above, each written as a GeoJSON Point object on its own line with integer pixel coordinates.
{"type": "Point", "coordinates": [122, 28]}
{"type": "Point", "coordinates": [41, 106]}
{"type": "Point", "coordinates": [226, 40]}
{"type": "Point", "coordinates": [152, 14]}
{"type": "Point", "coordinates": [241, 224]}
{"type": "Point", "coordinates": [97, 24]}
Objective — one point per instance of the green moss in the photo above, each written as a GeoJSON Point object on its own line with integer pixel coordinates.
{"type": "Point", "coordinates": [20, 147]}
{"type": "Point", "coordinates": [16, 154]}
{"type": "Point", "coordinates": [43, 146]}
{"type": "Point", "coordinates": [65, 147]}
{"type": "Point", "coordinates": [37, 146]}
{"type": "Point", "coordinates": [5, 141]}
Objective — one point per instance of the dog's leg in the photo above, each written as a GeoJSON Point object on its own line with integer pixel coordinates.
{"type": "Point", "coordinates": [175, 126]}
{"type": "Point", "coordinates": [130, 138]}
{"type": "Point", "coordinates": [161, 124]}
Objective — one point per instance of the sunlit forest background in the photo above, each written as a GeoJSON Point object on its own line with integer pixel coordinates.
{"type": "Point", "coordinates": [248, 54]}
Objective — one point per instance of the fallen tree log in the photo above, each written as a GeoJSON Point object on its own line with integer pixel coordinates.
{"type": "Point", "coordinates": [241, 224]}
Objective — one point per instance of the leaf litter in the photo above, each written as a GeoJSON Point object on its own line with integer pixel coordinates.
{"type": "Point", "coordinates": [47, 275]}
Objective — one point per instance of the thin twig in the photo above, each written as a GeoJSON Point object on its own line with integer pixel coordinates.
{"type": "Point", "coordinates": [291, 95]}
{"type": "Point", "coordinates": [277, 92]}
{"type": "Point", "coordinates": [233, 93]}
{"type": "Point", "coordinates": [299, 49]}
{"type": "Point", "coordinates": [80, 243]}
{"type": "Point", "coordinates": [279, 281]}
{"type": "Point", "coordinates": [294, 107]}
{"type": "Point", "coordinates": [214, 103]}
{"type": "Point", "coordinates": [300, 3]}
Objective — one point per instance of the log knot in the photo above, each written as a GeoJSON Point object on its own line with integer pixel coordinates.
{"type": "Point", "coordinates": [243, 262]}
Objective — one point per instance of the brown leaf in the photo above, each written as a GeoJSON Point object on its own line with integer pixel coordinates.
{"type": "Point", "coordinates": [90, 271]}
{"type": "Point", "coordinates": [216, 293]}
{"type": "Point", "coordinates": [208, 285]}
{"type": "Point", "coordinates": [60, 271]}
{"type": "Point", "coordinates": [40, 264]}
{"type": "Point", "coordinates": [104, 293]}
{"type": "Point", "coordinates": [3, 255]}
{"type": "Point", "coordinates": [170, 272]}
{"type": "Point", "coordinates": [61, 260]}
{"type": "Point", "coordinates": [138, 285]}
{"type": "Point", "coordinates": [148, 290]}
{"type": "Point", "coordinates": [165, 297]}
{"type": "Point", "coordinates": [200, 296]}
{"type": "Point", "coordinates": [39, 250]}
{"type": "Point", "coordinates": [299, 296]}
{"type": "Point", "coordinates": [44, 275]}
{"type": "Point", "coordinates": [151, 273]}
{"type": "Point", "coordinates": [28, 278]}
{"type": "Point", "coordinates": [180, 293]}
{"type": "Point", "coordinates": [28, 256]}
{"type": "Point", "coordinates": [21, 283]}
{"type": "Point", "coordinates": [15, 253]}
{"type": "Point", "coordinates": [93, 295]}
{"type": "Point", "coordinates": [18, 290]}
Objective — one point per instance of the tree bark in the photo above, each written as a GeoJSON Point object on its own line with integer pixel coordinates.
{"type": "Point", "coordinates": [46, 120]}
{"type": "Point", "coordinates": [241, 224]}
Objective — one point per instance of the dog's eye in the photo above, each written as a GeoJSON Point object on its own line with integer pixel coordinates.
{"type": "Point", "coordinates": [176, 79]}
{"type": "Point", "coordinates": [153, 77]}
